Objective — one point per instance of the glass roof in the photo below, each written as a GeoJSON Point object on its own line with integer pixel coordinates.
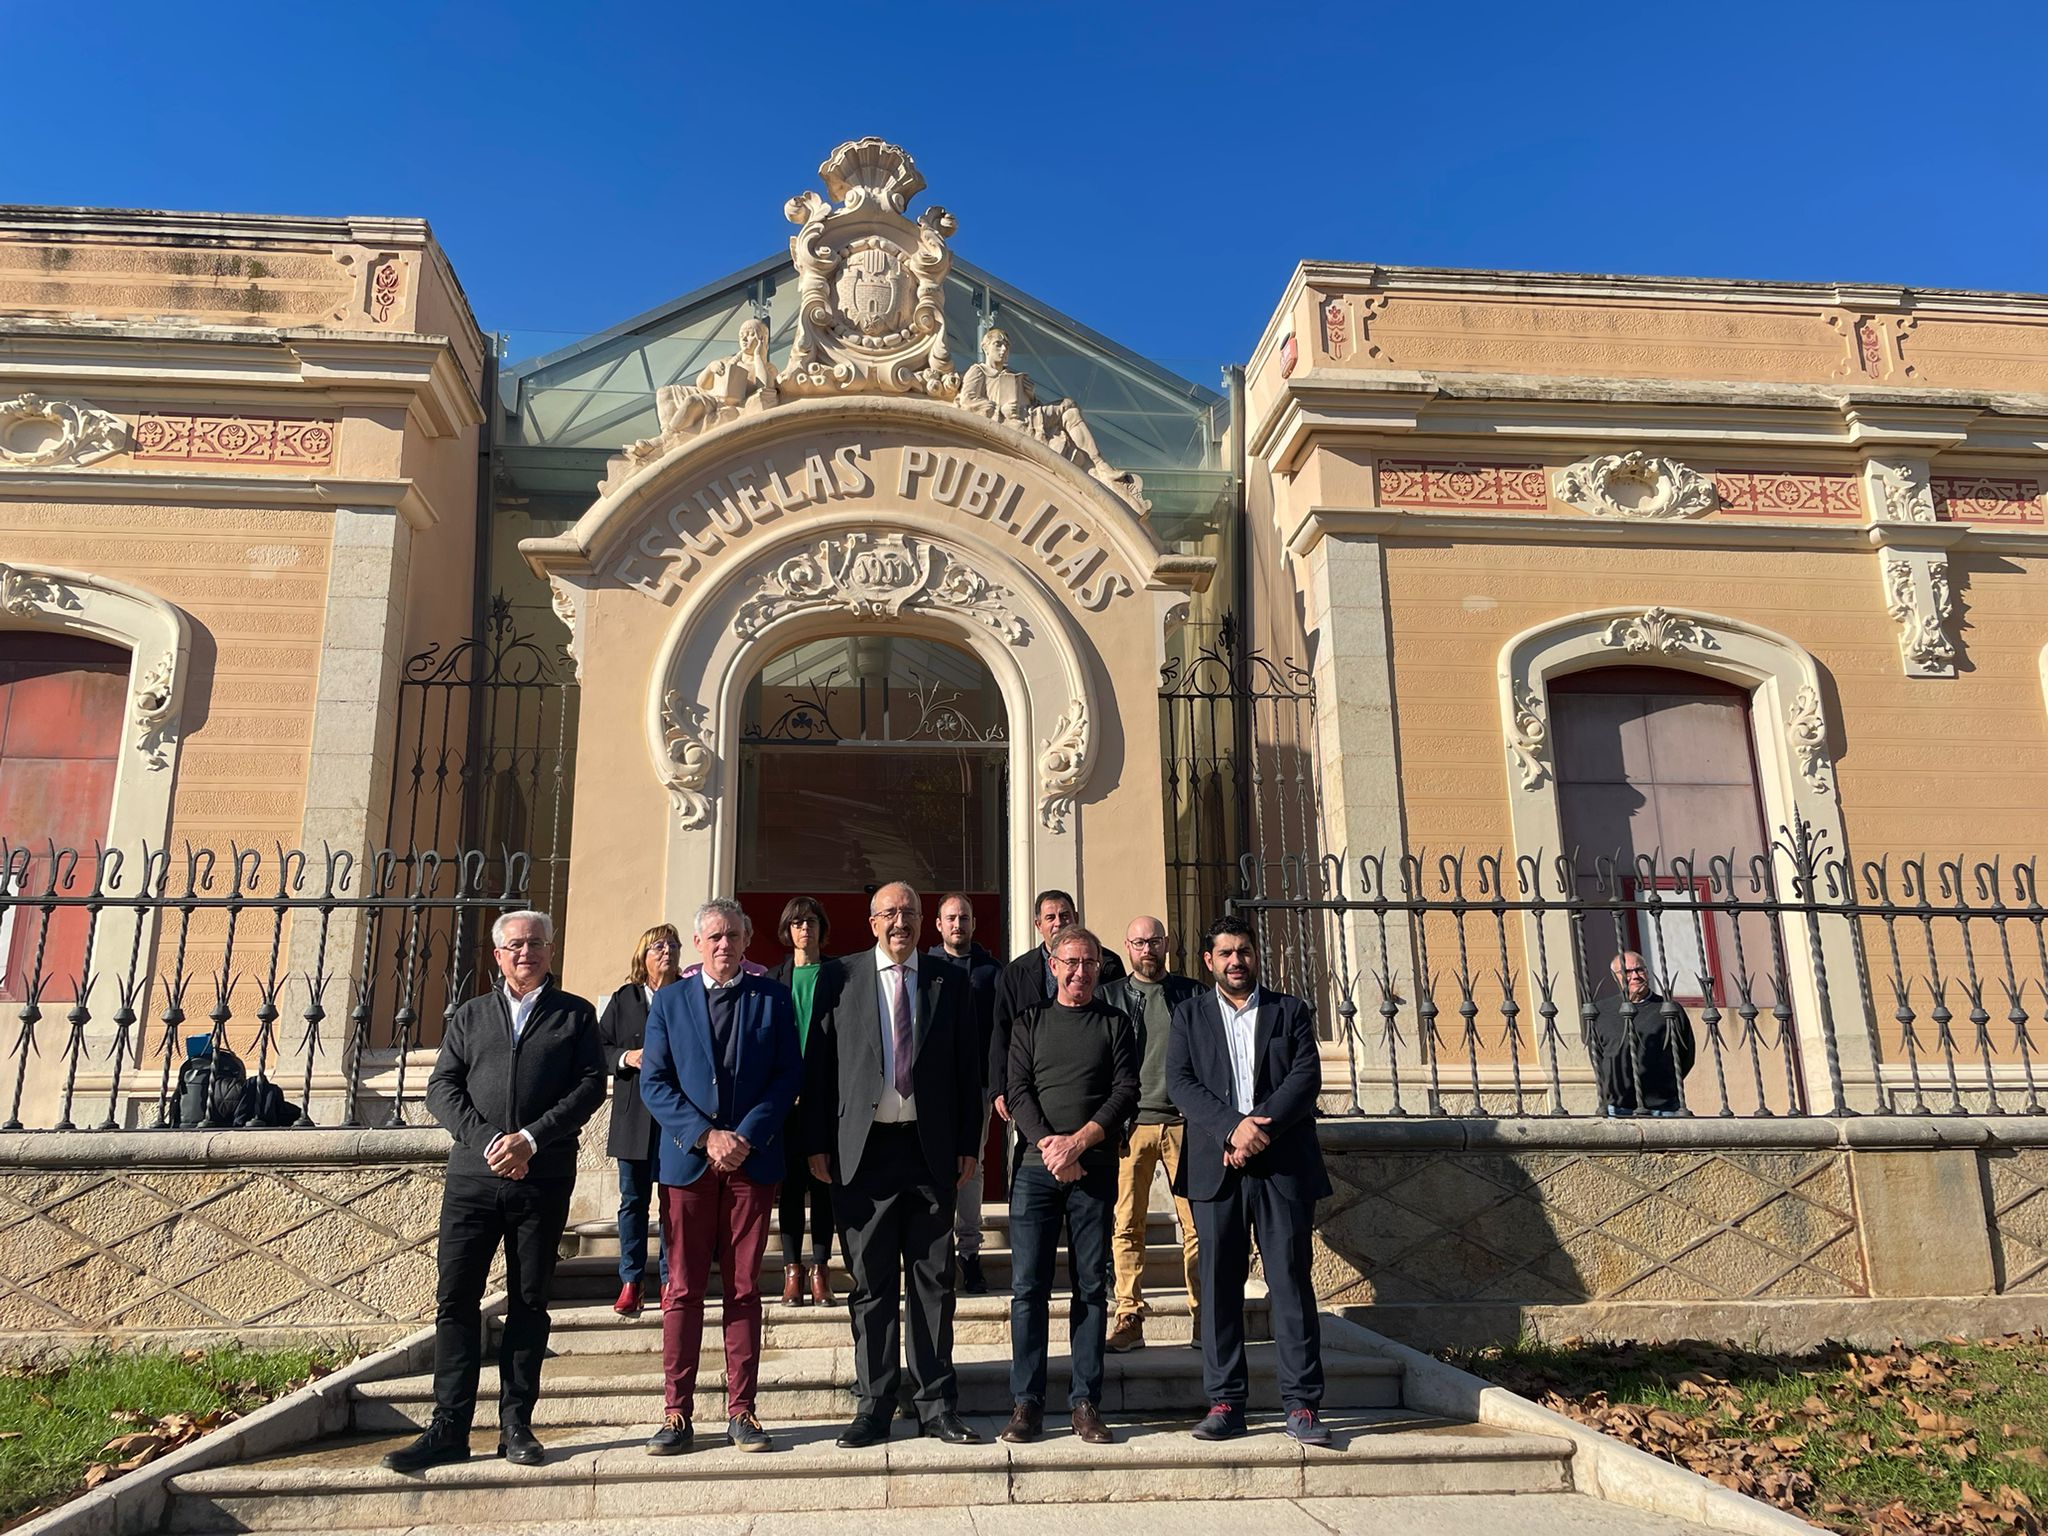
{"type": "Point", "coordinates": [568, 411]}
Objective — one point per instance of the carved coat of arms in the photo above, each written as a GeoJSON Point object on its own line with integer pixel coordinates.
{"type": "Point", "coordinates": [872, 288]}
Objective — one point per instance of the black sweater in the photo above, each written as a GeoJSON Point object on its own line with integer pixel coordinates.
{"type": "Point", "coordinates": [1071, 1066]}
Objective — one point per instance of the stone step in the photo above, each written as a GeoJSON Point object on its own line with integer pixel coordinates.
{"type": "Point", "coordinates": [599, 1237]}
{"type": "Point", "coordinates": [594, 1329]}
{"type": "Point", "coordinates": [601, 1473]}
{"type": "Point", "coordinates": [803, 1384]}
{"type": "Point", "coordinates": [589, 1278]}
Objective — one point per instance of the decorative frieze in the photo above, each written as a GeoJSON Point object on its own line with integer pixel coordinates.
{"type": "Point", "coordinates": [36, 433]}
{"type": "Point", "coordinates": [194, 439]}
{"type": "Point", "coordinates": [1986, 499]}
{"type": "Point", "coordinates": [1658, 632]}
{"type": "Point", "coordinates": [1776, 493]}
{"type": "Point", "coordinates": [1636, 486]}
{"type": "Point", "coordinates": [1062, 765]}
{"type": "Point", "coordinates": [1462, 485]}
{"type": "Point", "coordinates": [689, 760]}
{"type": "Point", "coordinates": [878, 577]}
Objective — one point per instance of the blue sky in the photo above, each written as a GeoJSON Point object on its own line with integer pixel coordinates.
{"type": "Point", "coordinates": [1154, 170]}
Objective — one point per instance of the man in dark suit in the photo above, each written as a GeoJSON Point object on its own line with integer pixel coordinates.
{"type": "Point", "coordinates": [519, 1072]}
{"type": "Point", "coordinates": [1242, 1067]}
{"type": "Point", "coordinates": [719, 1074]}
{"type": "Point", "coordinates": [1028, 980]}
{"type": "Point", "coordinates": [892, 1101]}
{"type": "Point", "coordinates": [956, 947]}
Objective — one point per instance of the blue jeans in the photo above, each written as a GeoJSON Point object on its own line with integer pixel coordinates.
{"type": "Point", "coordinates": [636, 1190]}
{"type": "Point", "coordinates": [1038, 1201]}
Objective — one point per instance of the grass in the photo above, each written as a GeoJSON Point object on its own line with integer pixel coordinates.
{"type": "Point", "coordinates": [58, 1421]}
{"type": "Point", "coordinates": [1948, 1437]}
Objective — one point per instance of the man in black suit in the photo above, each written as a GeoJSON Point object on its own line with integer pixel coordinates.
{"type": "Point", "coordinates": [1028, 981]}
{"type": "Point", "coordinates": [520, 1071]}
{"type": "Point", "coordinates": [1242, 1066]}
{"type": "Point", "coordinates": [957, 948]}
{"type": "Point", "coordinates": [892, 1104]}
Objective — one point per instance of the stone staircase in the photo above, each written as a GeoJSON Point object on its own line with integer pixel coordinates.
{"type": "Point", "coordinates": [602, 1397]}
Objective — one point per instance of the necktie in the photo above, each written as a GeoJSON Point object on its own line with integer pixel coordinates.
{"type": "Point", "coordinates": [899, 1030]}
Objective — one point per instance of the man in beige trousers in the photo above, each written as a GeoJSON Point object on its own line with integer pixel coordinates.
{"type": "Point", "coordinates": [1147, 996]}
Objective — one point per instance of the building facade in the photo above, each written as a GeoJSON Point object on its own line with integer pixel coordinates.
{"type": "Point", "coordinates": [860, 564]}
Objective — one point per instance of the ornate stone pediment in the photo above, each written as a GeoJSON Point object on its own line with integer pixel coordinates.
{"type": "Point", "coordinates": [878, 577]}
{"type": "Point", "coordinates": [36, 433]}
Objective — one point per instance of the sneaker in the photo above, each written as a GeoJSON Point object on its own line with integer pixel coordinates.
{"type": "Point", "coordinates": [972, 1281]}
{"type": "Point", "coordinates": [1305, 1427]}
{"type": "Point", "coordinates": [1127, 1335]}
{"type": "Point", "coordinates": [673, 1438]}
{"type": "Point", "coordinates": [1225, 1422]}
{"type": "Point", "coordinates": [744, 1432]}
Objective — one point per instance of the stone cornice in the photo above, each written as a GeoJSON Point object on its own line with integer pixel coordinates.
{"type": "Point", "coordinates": [153, 223]}
{"type": "Point", "coordinates": [187, 488]}
{"type": "Point", "coordinates": [1308, 530]}
{"type": "Point", "coordinates": [1346, 404]}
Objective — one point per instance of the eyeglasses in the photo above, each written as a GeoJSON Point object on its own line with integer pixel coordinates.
{"type": "Point", "coordinates": [1079, 965]}
{"type": "Point", "coordinates": [516, 945]}
{"type": "Point", "coordinates": [1158, 943]}
{"type": "Point", "coordinates": [668, 946]}
{"type": "Point", "coordinates": [892, 913]}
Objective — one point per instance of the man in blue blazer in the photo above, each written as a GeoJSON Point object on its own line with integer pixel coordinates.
{"type": "Point", "coordinates": [718, 1072]}
{"type": "Point", "coordinates": [1242, 1067]}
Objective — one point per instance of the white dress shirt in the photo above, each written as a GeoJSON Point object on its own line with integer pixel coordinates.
{"type": "Point", "coordinates": [1240, 1029]}
{"type": "Point", "coordinates": [894, 1108]}
{"type": "Point", "coordinates": [522, 1010]}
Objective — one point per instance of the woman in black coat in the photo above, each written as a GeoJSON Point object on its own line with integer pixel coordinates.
{"type": "Point", "coordinates": [622, 1031]}
{"type": "Point", "coordinates": [814, 981]}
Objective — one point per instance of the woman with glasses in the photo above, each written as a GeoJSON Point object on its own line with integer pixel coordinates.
{"type": "Point", "coordinates": [622, 1031]}
{"type": "Point", "coordinates": [814, 981]}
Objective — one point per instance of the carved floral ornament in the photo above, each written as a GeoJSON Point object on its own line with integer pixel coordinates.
{"type": "Point", "coordinates": [36, 433]}
{"type": "Point", "coordinates": [1529, 736]}
{"type": "Point", "coordinates": [562, 598]}
{"type": "Point", "coordinates": [689, 760]}
{"type": "Point", "coordinates": [871, 320]}
{"type": "Point", "coordinates": [26, 594]}
{"type": "Point", "coordinates": [1901, 491]}
{"type": "Point", "coordinates": [879, 577]}
{"type": "Point", "coordinates": [1806, 733]}
{"type": "Point", "coordinates": [1920, 601]}
{"type": "Point", "coordinates": [1636, 486]}
{"type": "Point", "coordinates": [1062, 765]}
{"type": "Point", "coordinates": [1659, 632]}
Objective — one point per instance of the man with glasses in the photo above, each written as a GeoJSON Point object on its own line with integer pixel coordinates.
{"type": "Point", "coordinates": [892, 1110]}
{"type": "Point", "coordinates": [520, 1071]}
{"type": "Point", "coordinates": [1147, 997]}
{"type": "Point", "coordinates": [1028, 980]}
{"type": "Point", "coordinates": [1641, 1042]}
{"type": "Point", "coordinates": [1073, 1088]}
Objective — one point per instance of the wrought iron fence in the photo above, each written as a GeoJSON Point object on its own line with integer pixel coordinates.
{"type": "Point", "coordinates": [1794, 982]}
{"type": "Point", "coordinates": [108, 961]}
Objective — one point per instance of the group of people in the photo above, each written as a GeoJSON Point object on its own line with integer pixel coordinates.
{"type": "Point", "coordinates": [859, 1092]}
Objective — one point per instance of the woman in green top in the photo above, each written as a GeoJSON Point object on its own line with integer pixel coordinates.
{"type": "Point", "coordinates": [814, 981]}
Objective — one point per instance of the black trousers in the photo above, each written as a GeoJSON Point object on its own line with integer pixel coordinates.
{"type": "Point", "coordinates": [1225, 1226]}
{"type": "Point", "coordinates": [477, 1214]}
{"type": "Point", "coordinates": [894, 1219]}
{"type": "Point", "coordinates": [797, 1187]}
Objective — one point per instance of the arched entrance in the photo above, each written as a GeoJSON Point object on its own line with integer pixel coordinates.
{"type": "Point", "coordinates": [867, 757]}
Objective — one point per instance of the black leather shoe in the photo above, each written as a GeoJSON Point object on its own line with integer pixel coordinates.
{"type": "Point", "coordinates": [517, 1445]}
{"type": "Point", "coordinates": [951, 1428]}
{"type": "Point", "coordinates": [443, 1441]}
{"type": "Point", "coordinates": [972, 1281]}
{"type": "Point", "coordinates": [867, 1428]}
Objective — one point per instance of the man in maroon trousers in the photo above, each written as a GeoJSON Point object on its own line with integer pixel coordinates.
{"type": "Point", "coordinates": [719, 1072]}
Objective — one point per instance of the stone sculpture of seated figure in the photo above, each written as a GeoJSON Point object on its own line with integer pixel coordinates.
{"type": "Point", "coordinates": [993, 389]}
{"type": "Point", "coordinates": [726, 389]}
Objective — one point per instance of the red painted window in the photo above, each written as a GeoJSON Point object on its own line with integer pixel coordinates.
{"type": "Point", "coordinates": [60, 739]}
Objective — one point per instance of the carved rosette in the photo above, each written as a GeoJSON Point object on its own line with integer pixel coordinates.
{"type": "Point", "coordinates": [27, 594]}
{"type": "Point", "coordinates": [154, 706]}
{"type": "Point", "coordinates": [1658, 632]}
{"type": "Point", "coordinates": [40, 434]}
{"type": "Point", "coordinates": [689, 760]}
{"type": "Point", "coordinates": [1062, 764]}
{"type": "Point", "coordinates": [871, 577]}
{"type": "Point", "coordinates": [1806, 729]}
{"type": "Point", "coordinates": [1919, 600]}
{"type": "Point", "coordinates": [1529, 737]}
{"type": "Point", "coordinates": [1899, 491]}
{"type": "Point", "coordinates": [1637, 486]}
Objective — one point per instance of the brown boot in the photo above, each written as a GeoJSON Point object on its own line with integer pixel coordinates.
{"type": "Point", "coordinates": [793, 1285]}
{"type": "Point", "coordinates": [821, 1285]}
{"type": "Point", "coordinates": [1027, 1420]}
{"type": "Point", "coordinates": [1129, 1334]}
{"type": "Point", "coordinates": [1088, 1426]}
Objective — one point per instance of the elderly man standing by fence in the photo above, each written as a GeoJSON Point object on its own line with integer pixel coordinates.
{"type": "Point", "coordinates": [519, 1073]}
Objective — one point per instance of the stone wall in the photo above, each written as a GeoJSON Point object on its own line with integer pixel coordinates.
{"type": "Point", "coordinates": [1457, 1231]}
{"type": "Point", "coordinates": [133, 1236]}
